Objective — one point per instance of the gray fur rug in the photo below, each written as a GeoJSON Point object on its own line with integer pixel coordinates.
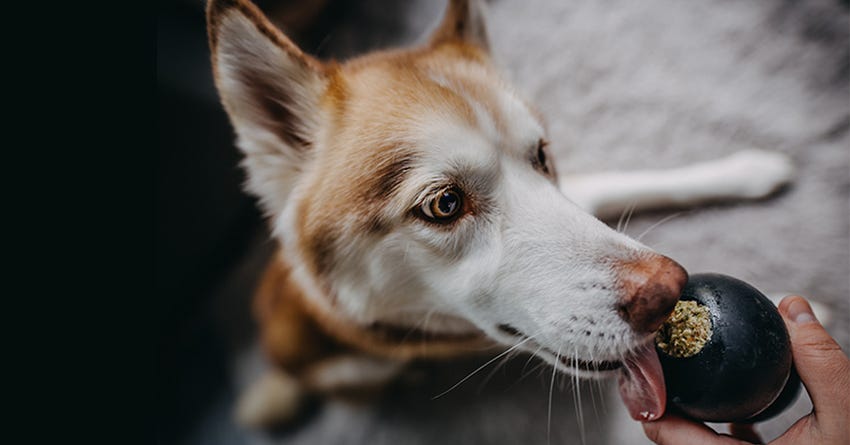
{"type": "Point", "coordinates": [625, 85]}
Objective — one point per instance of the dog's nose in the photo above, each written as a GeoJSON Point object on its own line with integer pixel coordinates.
{"type": "Point", "coordinates": [650, 289]}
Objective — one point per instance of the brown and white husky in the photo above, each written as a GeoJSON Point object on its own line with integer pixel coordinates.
{"type": "Point", "coordinates": [419, 214]}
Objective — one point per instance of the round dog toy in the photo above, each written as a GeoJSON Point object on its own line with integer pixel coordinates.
{"type": "Point", "coordinates": [725, 353]}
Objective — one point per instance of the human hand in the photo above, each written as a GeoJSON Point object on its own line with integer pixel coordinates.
{"type": "Point", "coordinates": [825, 372]}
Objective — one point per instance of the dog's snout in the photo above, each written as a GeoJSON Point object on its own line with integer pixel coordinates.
{"type": "Point", "coordinates": [649, 289]}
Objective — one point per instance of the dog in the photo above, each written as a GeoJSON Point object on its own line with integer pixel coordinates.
{"type": "Point", "coordinates": [419, 214]}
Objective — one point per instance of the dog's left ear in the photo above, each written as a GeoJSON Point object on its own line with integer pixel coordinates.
{"type": "Point", "coordinates": [463, 21]}
{"type": "Point", "coordinates": [272, 92]}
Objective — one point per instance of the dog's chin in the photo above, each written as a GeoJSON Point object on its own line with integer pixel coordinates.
{"type": "Point", "coordinates": [583, 367]}
{"type": "Point", "coordinates": [587, 369]}
{"type": "Point", "coordinates": [593, 368]}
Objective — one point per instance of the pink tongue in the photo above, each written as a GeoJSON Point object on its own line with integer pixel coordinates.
{"type": "Point", "coordinates": [642, 385]}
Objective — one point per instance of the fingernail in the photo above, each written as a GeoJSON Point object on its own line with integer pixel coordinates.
{"type": "Point", "coordinates": [800, 312]}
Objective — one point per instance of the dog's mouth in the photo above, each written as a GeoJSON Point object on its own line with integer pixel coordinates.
{"type": "Point", "coordinates": [641, 381]}
{"type": "Point", "coordinates": [587, 365]}
{"type": "Point", "coordinates": [593, 367]}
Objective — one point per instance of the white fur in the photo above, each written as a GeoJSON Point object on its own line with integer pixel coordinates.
{"type": "Point", "coordinates": [533, 262]}
{"type": "Point", "coordinates": [274, 396]}
{"type": "Point", "coordinates": [351, 371]}
{"type": "Point", "coordinates": [271, 163]}
{"type": "Point", "coordinates": [532, 259]}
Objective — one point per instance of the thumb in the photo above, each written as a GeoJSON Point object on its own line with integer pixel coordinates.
{"type": "Point", "coordinates": [822, 365]}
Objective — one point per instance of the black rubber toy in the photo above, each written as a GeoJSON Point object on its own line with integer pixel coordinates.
{"type": "Point", "coordinates": [740, 375]}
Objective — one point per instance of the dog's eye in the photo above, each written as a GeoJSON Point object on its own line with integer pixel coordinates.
{"type": "Point", "coordinates": [443, 207]}
{"type": "Point", "coordinates": [542, 160]}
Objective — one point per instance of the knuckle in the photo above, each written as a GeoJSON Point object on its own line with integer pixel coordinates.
{"type": "Point", "coordinates": [820, 345]}
{"type": "Point", "coordinates": [816, 340]}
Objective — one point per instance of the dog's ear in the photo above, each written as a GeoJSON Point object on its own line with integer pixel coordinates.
{"type": "Point", "coordinates": [272, 92]}
{"type": "Point", "coordinates": [464, 21]}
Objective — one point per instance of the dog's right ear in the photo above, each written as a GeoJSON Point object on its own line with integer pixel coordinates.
{"type": "Point", "coordinates": [463, 21]}
{"type": "Point", "coordinates": [272, 92]}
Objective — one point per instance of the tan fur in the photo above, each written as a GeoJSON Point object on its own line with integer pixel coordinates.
{"type": "Point", "coordinates": [366, 112]}
{"type": "Point", "coordinates": [296, 333]}
{"type": "Point", "coordinates": [363, 149]}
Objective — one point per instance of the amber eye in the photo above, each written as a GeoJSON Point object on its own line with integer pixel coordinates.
{"type": "Point", "coordinates": [443, 207]}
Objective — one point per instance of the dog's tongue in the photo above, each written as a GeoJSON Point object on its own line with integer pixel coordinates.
{"type": "Point", "coordinates": [642, 385]}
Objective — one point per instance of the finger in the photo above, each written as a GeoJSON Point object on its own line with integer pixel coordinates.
{"type": "Point", "coordinates": [674, 430]}
{"type": "Point", "coordinates": [745, 431]}
{"type": "Point", "coordinates": [822, 365]}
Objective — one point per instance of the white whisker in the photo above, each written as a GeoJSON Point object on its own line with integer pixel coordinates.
{"type": "Point", "coordinates": [592, 397]}
{"type": "Point", "coordinates": [496, 368]}
{"type": "Point", "coordinates": [629, 217]}
{"type": "Point", "coordinates": [541, 364]}
{"type": "Point", "coordinates": [551, 387]}
{"type": "Point", "coordinates": [662, 221]}
{"type": "Point", "coordinates": [620, 220]}
{"type": "Point", "coordinates": [530, 358]}
{"type": "Point", "coordinates": [602, 397]}
{"type": "Point", "coordinates": [579, 410]}
{"type": "Point", "coordinates": [482, 367]}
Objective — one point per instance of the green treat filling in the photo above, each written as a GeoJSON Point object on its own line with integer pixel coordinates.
{"type": "Point", "coordinates": [686, 331]}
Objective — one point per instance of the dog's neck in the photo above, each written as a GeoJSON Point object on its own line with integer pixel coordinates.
{"type": "Point", "coordinates": [296, 330]}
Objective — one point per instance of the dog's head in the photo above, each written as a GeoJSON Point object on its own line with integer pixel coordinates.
{"type": "Point", "coordinates": [416, 188]}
